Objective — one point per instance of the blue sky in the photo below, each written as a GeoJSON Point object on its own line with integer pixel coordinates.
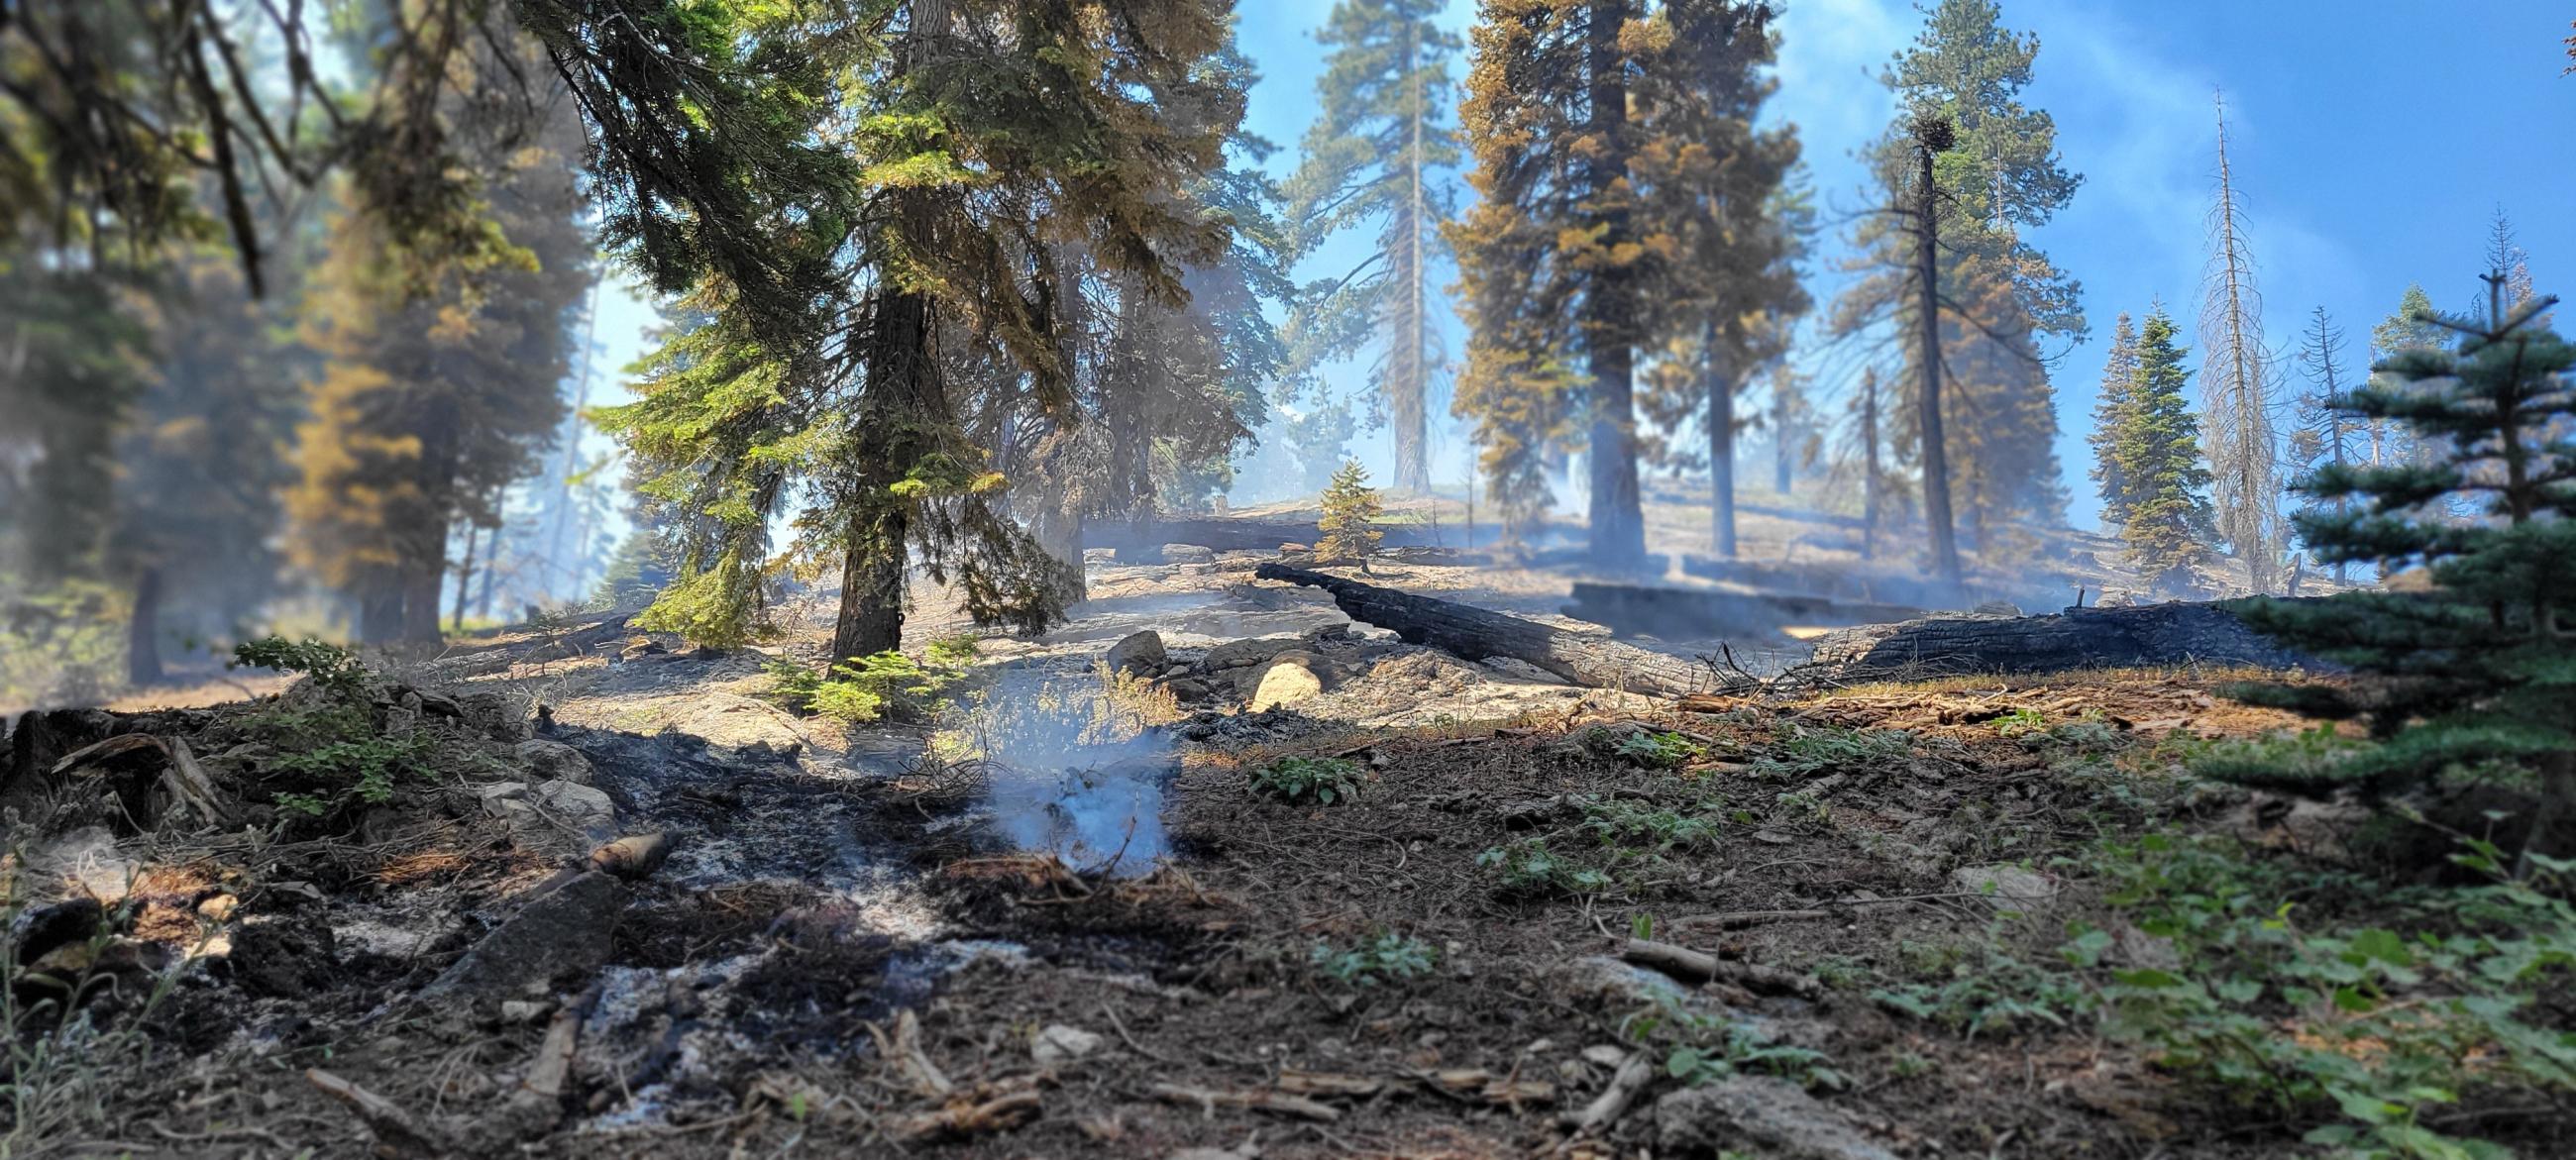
{"type": "Point", "coordinates": [2372, 141]}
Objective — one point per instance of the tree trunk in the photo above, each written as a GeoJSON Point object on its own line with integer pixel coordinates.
{"type": "Point", "coordinates": [465, 576]}
{"type": "Point", "coordinates": [143, 632]}
{"type": "Point", "coordinates": [1618, 526]}
{"type": "Point", "coordinates": [1721, 446]}
{"type": "Point", "coordinates": [1407, 404]}
{"type": "Point", "coordinates": [1869, 465]}
{"type": "Point", "coordinates": [380, 612]}
{"type": "Point", "coordinates": [1474, 634]}
{"type": "Point", "coordinates": [1936, 454]}
{"type": "Point", "coordinates": [905, 402]}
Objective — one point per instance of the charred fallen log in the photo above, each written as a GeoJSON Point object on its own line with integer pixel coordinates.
{"type": "Point", "coordinates": [1475, 634]}
{"type": "Point", "coordinates": [1710, 613]}
{"type": "Point", "coordinates": [2078, 638]}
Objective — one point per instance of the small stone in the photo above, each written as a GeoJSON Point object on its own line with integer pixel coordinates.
{"type": "Point", "coordinates": [1190, 689]}
{"type": "Point", "coordinates": [1285, 683]}
{"type": "Point", "coordinates": [1139, 654]}
{"type": "Point", "coordinates": [1237, 653]}
{"type": "Point", "coordinates": [1774, 1117]}
{"type": "Point", "coordinates": [525, 1010]}
{"type": "Point", "coordinates": [2006, 887]}
{"type": "Point", "coordinates": [554, 761]}
{"type": "Point", "coordinates": [1059, 1043]}
{"type": "Point", "coordinates": [1188, 554]}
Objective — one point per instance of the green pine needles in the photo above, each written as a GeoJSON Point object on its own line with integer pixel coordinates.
{"type": "Point", "coordinates": [2476, 678]}
{"type": "Point", "coordinates": [1351, 506]}
{"type": "Point", "coordinates": [2153, 470]}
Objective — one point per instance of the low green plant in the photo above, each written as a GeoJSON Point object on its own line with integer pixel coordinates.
{"type": "Point", "coordinates": [1322, 780]}
{"type": "Point", "coordinates": [1623, 822]}
{"type": "Point", "coordinates": [1701, 1048]}
{"type": "Point", "coordinates": [2021, 723]}
{"type": "Point", "coordinates": [1527, 866]}
{"type": "Point", "coordinates": [1389, 956]}
{"type": "Point", "coordinates": [1660, 750]}
{"type": "Point", "coordinates": [1908, 1065]}
{"type": "Point", "coordinates": [332, 755]}
{"type": "Point", "coordinates": [879, 685]}
{"type": "Point", "coordinates": [1799, 751]}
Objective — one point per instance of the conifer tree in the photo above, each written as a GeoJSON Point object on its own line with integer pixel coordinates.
{"type": "Point", "coordinates": [2402, 331]}
{"type": "Point", "coordinates": [2325, 433]}
{"type": "Point", "coordinates": [1351, 508]}
{"type": "Point", "coordinates": [1995, 174]}
{"type": "Point", "coordinates": [2158, 453]}
{"type": "Point", "coordinates": [2110, 417]}
{"type": "Point", "coordinates": [1549, 259]}
{"type": "Point", "coordinates": [2474, 675]}
{"type": "Point", "coordinates": [426, 403]}
{"type": "Point", "coordinates": [1375, 155]}
{"type": "Point", "coordinates": [2238, 392]}
{"type": "Point", "coordinates": [1727, 222]}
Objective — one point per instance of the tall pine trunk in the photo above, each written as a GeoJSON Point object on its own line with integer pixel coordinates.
{"type": "Point", "coordinates": [143, 631]}
{"type": "Point", "coordinates": [1618, 528]}
{"type": "Point", "coordinates": [1936, 452]}
{"type": "Point", "coordinates": [905, 401]}
{"type": "Point", "coordinates": [1409, 385]}
{"type": "Point", "coordinates": [1720, 386]}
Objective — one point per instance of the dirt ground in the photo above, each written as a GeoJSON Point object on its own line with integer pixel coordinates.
{"type": "Point", "coordinates": [1076, 926]}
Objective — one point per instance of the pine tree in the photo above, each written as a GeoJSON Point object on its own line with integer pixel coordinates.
{"type": "Point", "coordinates": [1351, 508]}
{"type": "Point", "coordinates": [1318, 440]}
{"type": "Point", "coordinates": [2325, 434]}
{"type": "Point", "coordinates": [2394, 443]}
{"type": "Point", "coordinates": [1727, 225]}
{"type": "Point", "coordinates": [2110, 417]}
{"type": "Point", "coordinates": [2475, 674]}
{"type": "Point", "coordinates": [1995, 173]}
{"type": "Point", "coordinates": [2238, 392]}
{"type": "Point", "coordinates": [425, 404]}
{"type": "Point", "coordinates": [1548, 259]}
{"type": "Point", "coordinates": [2158, 453]}
{"type": "Point", "coordinates": [1375, 155]}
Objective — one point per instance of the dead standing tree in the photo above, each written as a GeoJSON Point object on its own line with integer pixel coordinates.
{"type": "Point", "coordinates": [2237, 392]}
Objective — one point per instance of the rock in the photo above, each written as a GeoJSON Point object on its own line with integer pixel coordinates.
{"type": "Point", "coordinates": [554, 817]}
{"type": "Point", "coordinates": [1285, 683]}
{"type": "Point", "coordinates": [281, 958]}
{"type": "Point", "coordinates": [1187, 554]}
{"type": "Point", "coordinates": [40, 930]}
{"type": "Point", "coordinates": [62, 971]}
{"type": "Point", "coordinates": [634, 857]}
{"type": "Point", "coordinates": [219, 908]}
{"type": "Point", "coordinates": [563, 929]}
{"type": "Point", "coordinates": [495, 716]}
{"type": "Point", "coordinates": [1190, 689]}
{"type": "Point", "coordinates": [555, 761]}
{"type": "Point", "coordinates": [2007, 887]}
{"type": "Point", "coordinates": [1138, 654]}
{"type": "Point", "coordinates": [641, 647]}
{"type": "Point", "coordinates": [1613, 984]}
{"type": "Point", "coordinates": [1059, 1044]}
{"type": "Point", "coordinates": [1237, 653]}
{"type": "Point", "coordinates": [1761, 1115]}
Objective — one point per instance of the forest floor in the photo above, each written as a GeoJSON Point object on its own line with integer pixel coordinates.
{"type": "Point", "coordinates": [1072, 918]}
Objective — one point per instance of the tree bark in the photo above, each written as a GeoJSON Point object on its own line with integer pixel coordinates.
{"type": "Point", "coordinates": [1618, 526]}
{"type": "Point", "coordinates": [1721, 445]}
{"type": "Point", "coordinates": [143, 631]}
{"type": "Point", "coordinates": [1936, 453]}
{"type": "Point", "coordinates": [1474, 634]}
{"type": "Point", "coordinates": [905, 390]}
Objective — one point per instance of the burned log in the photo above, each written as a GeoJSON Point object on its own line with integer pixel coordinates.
{"type": "Point", "coordinates": [1474, 634]}
{"type": "Point", "coordinates": [1710, 613]}
{"type": "Point", "coordinates": [2077, 638]}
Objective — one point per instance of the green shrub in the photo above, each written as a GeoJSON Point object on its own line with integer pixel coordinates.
{"type": "Point", "coordinates": [1388, 956]}
{"type": "Point", "coordinates": [1652, 750]}
{"type": "Point", "coordinates": [1701, 1048]}
{"type": "Point", "coordinates": [331, 753]}
{"type": "Point", "coordinates": [880, 685]}
{"type": "Point", "coordinates": [1527, 866]}
{"type": "Point", "coordinates": [1799, 751]}
{"type": "Point", "coordinates": [1322, 780]}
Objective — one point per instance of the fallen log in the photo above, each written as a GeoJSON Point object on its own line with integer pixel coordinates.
{"type": "Point", "coordinates": [2078, 638]}
{"type": "Point", "coordinates": [1692, 966]}
{"type": "Point", "coordinates": [1708, 613]}
{"type": "Point", "coordinates": [1474, 634]}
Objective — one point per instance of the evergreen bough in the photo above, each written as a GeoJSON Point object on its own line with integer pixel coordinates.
{"type": "Point", "coordinates": [1350, 507]}
{"type": "Point", "coordinates": [2478, 676]}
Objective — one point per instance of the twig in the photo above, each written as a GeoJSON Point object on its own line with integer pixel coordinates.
{"type": "Point", "coordinates": [1130, 1040]}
